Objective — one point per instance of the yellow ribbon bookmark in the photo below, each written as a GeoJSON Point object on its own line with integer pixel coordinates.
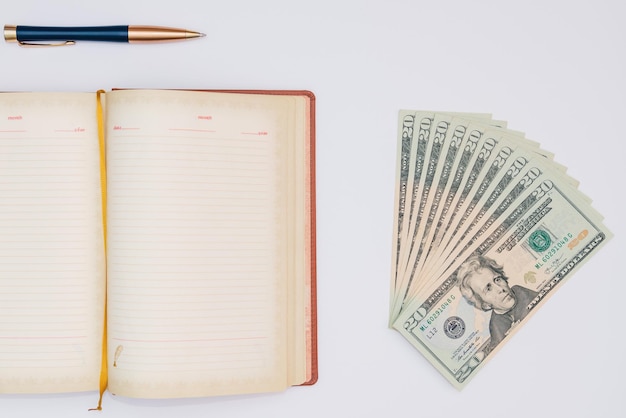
{"type": "Point", "coordinates": [103, 184]}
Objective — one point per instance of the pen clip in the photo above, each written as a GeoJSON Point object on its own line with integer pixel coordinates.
{"type": "Point", "coordinates": [42, 45]}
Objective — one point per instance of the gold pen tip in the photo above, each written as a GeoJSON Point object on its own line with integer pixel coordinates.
{"type": "Point", "coordinates": [142, 34]}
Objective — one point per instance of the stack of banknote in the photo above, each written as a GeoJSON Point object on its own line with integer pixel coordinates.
{"type": "Point", "coordinates": [487, 227]}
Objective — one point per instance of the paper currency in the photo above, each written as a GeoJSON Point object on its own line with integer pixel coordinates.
{"type": "Point", "coordinates": [488, 226]}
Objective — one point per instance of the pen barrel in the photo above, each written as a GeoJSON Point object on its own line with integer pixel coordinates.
{"type": "Point", "coordinates": [77, 33]}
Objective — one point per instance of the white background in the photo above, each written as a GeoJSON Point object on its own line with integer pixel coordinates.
{"type": "Point", "coordinates": [553, 69]}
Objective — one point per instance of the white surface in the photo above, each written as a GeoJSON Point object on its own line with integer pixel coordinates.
{"type": "Point", "coordinates": [553, 69]}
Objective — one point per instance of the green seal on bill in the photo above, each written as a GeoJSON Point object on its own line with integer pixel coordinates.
{"type": "Point", "coordinates": [539, 240]}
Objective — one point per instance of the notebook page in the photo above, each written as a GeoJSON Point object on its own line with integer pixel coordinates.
{"type": "Point", "coordinates": [51, 243]}
{"type": "Point", "coordinates": [300, 200]}
{"type": "Point", "coordinates": [196, 205]}
{"type": "Point", "coordinates": [305, 250]}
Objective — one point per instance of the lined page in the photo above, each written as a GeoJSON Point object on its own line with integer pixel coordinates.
{"type": "Point", "coordinates": [197, 273]}
{"type": "Point", "coordinates": [51, 243]}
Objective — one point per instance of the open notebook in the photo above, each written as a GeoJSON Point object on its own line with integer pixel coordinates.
{"type": "Point", "coordinates": [185, 218]}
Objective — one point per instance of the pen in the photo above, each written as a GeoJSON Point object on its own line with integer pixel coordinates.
{"type": "Point", "coordinates": [38, 35]}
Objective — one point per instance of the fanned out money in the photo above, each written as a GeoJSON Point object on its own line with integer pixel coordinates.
{"type": "Point", "coordinates": [487, 227]}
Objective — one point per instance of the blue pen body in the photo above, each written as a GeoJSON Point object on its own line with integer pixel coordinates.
{"type": "Point", "coordinates": [78, 33]}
